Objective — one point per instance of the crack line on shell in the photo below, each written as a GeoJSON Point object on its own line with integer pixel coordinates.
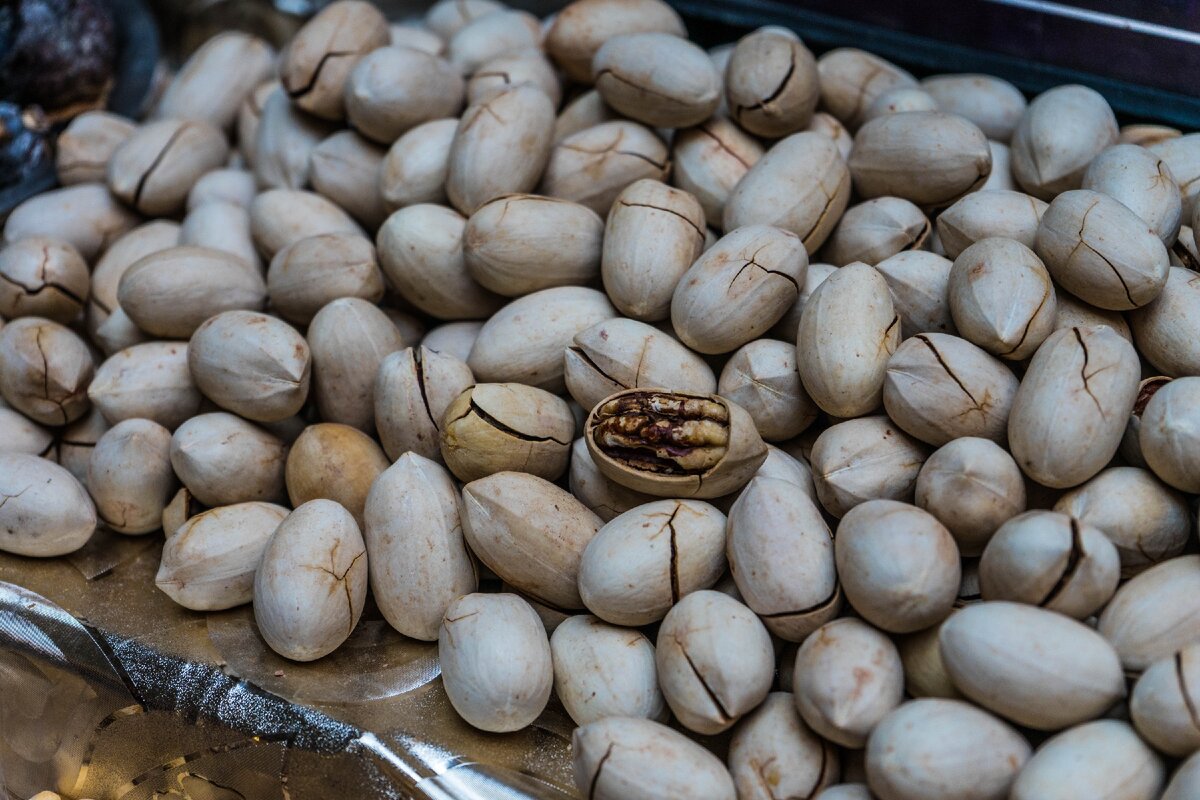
{"type": "Point", "coordinates": [674, 555]}
{"type": "Point", "coordinates": [1075, 558]}
{"type": "Point", "coordinates": [307, 87]}
{"type": "Point", "coordinates": [1193, 714]}
{"type": "Point", "coordinates": [724, 714]}
{"type": "Point", "coordinates": [141, 184]}
{"type": "Point", "coordinates": [420, 369]}
{"type": "Point", "coordinates": [925, 340]}
{"type": "Point", "coordinates": [497, 424]}
{"type": "Point", "coordinates": [599, 766]}
{"type": "Point", "coordinates": [691, 224]}
{"type": "Point", "coordinates": [1084, 375]}
{"type": "Point", "coordinates": [772, 97]}
{"type": "Point", "coordinates": [32, 292]}
{"type": "Point", "coordinates": [1046, 295]}
{"type": "Point", "coordinates": [823, 604]}
{"type": "Point", "coordinates": [704, 129]}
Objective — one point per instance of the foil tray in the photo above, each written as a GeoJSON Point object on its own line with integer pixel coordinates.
{"type": "Point", "coordinates": [110, 691]}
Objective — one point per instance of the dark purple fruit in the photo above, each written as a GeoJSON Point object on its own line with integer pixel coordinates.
{"type": "Point", "coordinates": [55, 53]}
{"type": "Point", "coordinates": [24, 143]}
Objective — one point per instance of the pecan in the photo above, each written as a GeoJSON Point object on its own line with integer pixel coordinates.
{"type": "Point", "coordinates": [665, 433]}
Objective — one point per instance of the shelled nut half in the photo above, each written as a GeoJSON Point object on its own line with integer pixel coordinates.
{"type": "Point", "coordinates": [673, 444]}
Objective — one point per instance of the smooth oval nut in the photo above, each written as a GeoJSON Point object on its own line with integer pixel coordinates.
{"type": "Point", "coordinates": [763, 378]}
{"type": "Point", "coordinates": [130, 476]}
{"type": "Point", "coordinates": [1101, 251]}
{"type": "Point", "coordinates": [847, 677]}
{"type": "Point", "coordinates": [594, 165]}
{"type": "Point", "coordinates": [939, 388]}
{"type": "Point", "coordinates": [309, 274]}
{"type": "Point", "coordinates": [863, 459]}
{"type": "Point", "coordinates": [531, 533]}
{"type": "Point", "coordinates": [421, 252]}
{"type": "Point", "coordinates": [501, 147]}
{"type": "Point", "coordinates": [524, 341]}
{"type": "Point", "coordinates": [254, 365]}
{"type": "Point", "coordinates": [1052, 561]}
{"type": "Point", "coordinates": [1143, 183]}
{"type": "Point", "coordinates": [86, 216]}
{"type": "Point", "coordinates": [664, 550]}
{"type": "Point", "coordinates": [714, 659]}
{"type": "Point", "coordinates": [936, 749]}
{"type": "Point", "coordinates": [222, 459]}
{"type": "Point", "coordinates": [348, 338]}
{"type": "Point", "coordinates": [603, 670]}
{"type": "Point", "coordinates": [311, 584]}
{"type": "Point", "coordinates": [771, 83]}
{"type": "Point", "coordinates": [919, 283]}
{"type": "Point", "coordinates": [653, 235]}
{"type": "Point", "coordinates": [801, 184]}
{"type": "Point", "coordinates": [41, 277]}
{"type": "Point", "coordinates": [852, 79]}
{"type": "Point", "coordinates": [420, 563]}
{"type": "Point", "coordinates": [1103, 760]}
{"type": "Point", "coordinates": [520, 243]}
{"type": "Point", "coordinates": [216, 78]}
{"type": "Point", "coordinates": [334, 462]}
{"type": "Point", "coordinates": [1169, 434]}
{"type": "Point", "coordinates": [621, 353]}
{"type": "Point", "coordinates": [773, 749]}
{"type": "Point", "coordinates": [345, 168]}
{"type": "Point", "coordinates": [46, 511]}
{"type": "Point", "coordinates": [580, 28]}
{"type": "Point", "coordinates": [496, 663]}
{"type": "Point", "coordinates": [1163, 703]}
{"type": "Point", "coordinates": [842, 366]}
{"type": "Point", "coordinates": [1002, 298]}
{"type": "Point", "coordinates": [498, 427]}
{"type": "Point", "coordinates": [45, 370]}
{"type": "Point", "coordinates": [280, 217]}
{"type": "Point", "coordinates": [19, 434]}
{"type": "Point", "coordinates": [995, 105]}
{"type": "Point", "coordinates": [86, 144]}
{"type": "Point", "coordinates": [170, 293]}
{"type": "Point", "coordinates": [1148, 522]}
{"type": "Point", "coordinates": [147, 381]}
{"type": "Point", "coordinates": [1167, 330]}
{"type": "Point", "coordinates": [414, 169]}
{"type": "Point", "coordinates": [1069, 412]}
{"type": "Point", "coordinates": [154, 169]}
{"type": "Point", "coordinates": [280, 145]}
{"type": "Point", "coordinates": [221, 226]}
{"type": "Point", "coordinates": [1154, 614]}
{"type": "Point", "coordinates": [625, 758]}
{"type": "Point", "coordinates": [124, 253]}
{"type": "Point", "coordinates": [877, 229]}
{"type": "Point", "coordinates": [781, 556]}
{"type": "Point", "coordinates": [973, 486]}
{"type": "Point", "coordinates": [394, 89]}
{"type": "Point", "coordinates": [657, 78]}
{"type": "Point", "coordinates": [709, 160]}
{"type": "Point", "coordinates": [674, 444]}
{"type": "Point", "coordinates": [737, 289]}
{"type": "Point", "coordinates": [1076, 677]}
{"type": "Point", "coordinates": [898, 565]}
{"type": "Point", "coordinates": [316, 63]}
{"type": "Point", "coordinates": [492, 34]}
{"type": "Point", "coordinates": [413, 389]}
{"type": "Point", "coordinates": [1059, 134]}
{"type": "Point", "coordinates": [208, 563]}
{"type": "Point", "coordinates": [990, 213]}
{"type": "Point", "coordinates": [928, 157]}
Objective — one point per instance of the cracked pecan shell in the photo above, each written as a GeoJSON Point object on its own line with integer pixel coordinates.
{"type": "Point", "coordinates": [672, 444]}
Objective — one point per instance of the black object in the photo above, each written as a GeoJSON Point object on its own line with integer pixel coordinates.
{"type": "Point", "coordinates": [135, 58]}
{"type": "Point", "coordinates": [24, 143]}
{"type": "Point", "coordinates": [1142, 55]}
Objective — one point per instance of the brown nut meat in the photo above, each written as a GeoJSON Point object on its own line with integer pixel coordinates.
{"type": "Point", "coordinates": [671, 444]}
